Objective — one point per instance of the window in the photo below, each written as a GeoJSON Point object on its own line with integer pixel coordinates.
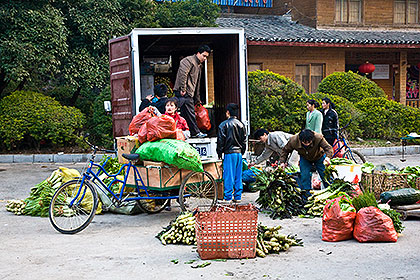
{"type": "Point", "coordinates": [254, 66]}
{"type": "Point", "coordinates": [309, 76]}
{"type": "Point", "coordinates": [406, 11]}
{"type": "Point", "coordinates": [349, 11]}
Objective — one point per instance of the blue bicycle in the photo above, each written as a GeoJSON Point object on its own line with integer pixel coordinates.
{"type": "Point", "coordinates": [342, 149]}
{"type": "Point", "coordinates": [75, 203]}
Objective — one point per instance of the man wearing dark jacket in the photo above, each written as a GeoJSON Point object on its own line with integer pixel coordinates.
{"type": "Point", "coordinates": [313, 149]}
{"type": "Point", "coordinates": [158, 101]}
{"type": "Point", "coordinates": [231, 141]}
{"type": "Point", "coordinates": [187, 87]}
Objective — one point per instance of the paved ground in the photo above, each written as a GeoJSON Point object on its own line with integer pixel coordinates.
{"type": "Point", "coordinates": [123, 247]}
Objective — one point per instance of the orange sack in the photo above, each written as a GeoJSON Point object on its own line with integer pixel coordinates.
{"type": "Point", "coordinates": [372, 225]}
{"type": "Point", "coordinates": [337, 225]}
{"type": "Point", "coordinates": [160, 128]}
{"type": "Point", "coordinates": [202, 117]}
{"type": "Point", "coordinates": [140, 119]}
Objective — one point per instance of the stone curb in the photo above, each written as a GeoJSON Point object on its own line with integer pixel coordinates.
{"type": "Point", "coordinates": [49, 158]}
{"type": "Point", "coordinates": [73, 158]}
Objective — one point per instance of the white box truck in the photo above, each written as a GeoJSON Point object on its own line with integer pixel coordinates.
{"type": "Point", "coordinates": [148, 56]}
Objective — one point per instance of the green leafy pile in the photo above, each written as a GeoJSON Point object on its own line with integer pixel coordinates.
{"type": "Point", "coordinates": [396, 219]}
{"type": "Point", "coordinates": [363, 200]}
{"type": "Point", "coordinates": [414, 172]}
{"type": "Point", "coordinates": [279, 195]}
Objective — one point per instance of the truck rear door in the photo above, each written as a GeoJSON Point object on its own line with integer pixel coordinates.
{"type": "Point", "coordinates": [121, 84]}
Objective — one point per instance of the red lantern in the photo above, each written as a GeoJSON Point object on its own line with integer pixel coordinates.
{"type": "Point", "coordinates": [366, 68]}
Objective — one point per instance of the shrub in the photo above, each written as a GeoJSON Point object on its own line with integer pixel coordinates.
{"type": "Point", "coordinates": [345, 110]}
{"type": "Point", "coordinates": [276, 102]}
{"type": "Point", "coordinates": [383, 118]}
{"type": "Point", "coordinates": [34, 117]}
{"type": "Point", "coordinates": [351, 86]}
{"type": "Point", "coordinates": [100, 124]}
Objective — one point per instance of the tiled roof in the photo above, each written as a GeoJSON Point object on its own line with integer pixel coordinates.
{"type": "Point", "coordinates": [282, 29]}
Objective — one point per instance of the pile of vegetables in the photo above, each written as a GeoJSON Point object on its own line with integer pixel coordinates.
{"type": "Point", "coordinates": [316, 202]}
{"type": "Point", "coordinates": [414, 172]}
{"type": "Point", "coordinates": [179, 231]}
{"type": "Point", "coordinates": [280, 195]}
{"type": "Point", "coordinates": [16, 206]}
{"type": "Point", "coordinates": [38, 202]}
{"type": "Point", "coordinates": [271, 241]}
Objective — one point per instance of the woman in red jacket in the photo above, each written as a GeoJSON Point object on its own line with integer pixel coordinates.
{"type": "Point", "coordinates": [171, 108]}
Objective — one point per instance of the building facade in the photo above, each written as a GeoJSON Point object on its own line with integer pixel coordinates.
{"type": "Point", "coordinates": [307, 40]}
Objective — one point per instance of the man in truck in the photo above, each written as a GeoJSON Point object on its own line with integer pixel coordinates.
{"type": "Point", "coordinates": [187, 87]}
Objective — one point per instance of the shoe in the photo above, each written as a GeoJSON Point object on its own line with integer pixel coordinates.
{"type": "Point", "coordinates": [200, 135]}
{"type": "Point", "coordinates": [236, 201]}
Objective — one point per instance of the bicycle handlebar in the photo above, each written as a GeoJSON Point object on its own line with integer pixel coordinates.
{"type": "Point", "coordinates": [96, 148]}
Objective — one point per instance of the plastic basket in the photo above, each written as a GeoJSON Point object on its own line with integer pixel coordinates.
{"type": "Point", "coordinates": [227, 232]}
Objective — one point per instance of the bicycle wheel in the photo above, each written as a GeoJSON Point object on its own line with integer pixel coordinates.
{"type": "Point", "coordinates": [198, 190]}
{"type": "Point", "coordinates": [71, 211]}
{"type": "Point", "coordinates": [151, 206]}
{"type": "Point", "coordinates": [355, 156]}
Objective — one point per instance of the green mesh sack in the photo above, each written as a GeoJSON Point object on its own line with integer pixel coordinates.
{"type": "Point", "coordinates": [171, 151]}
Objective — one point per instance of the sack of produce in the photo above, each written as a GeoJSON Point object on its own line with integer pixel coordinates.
{"type": "Point", "coordinates": [142, 133]}
{"type": "Point", "coordinates": [140, 119]}
{"type": "Point", "coordinates": [338, 220]}
{"type": "Point", "coordinates": [400, 197]}
{"type": "Point", "coordinates": [250, 175]}
{"type": "Point", "coordinates": [202, 117]}
{"type": "Point", "coordinates": [161, 128]}
{"type": "Point", "coordinates": [171, 151]}
{"type": "Point", "coordinates": [372, 225]}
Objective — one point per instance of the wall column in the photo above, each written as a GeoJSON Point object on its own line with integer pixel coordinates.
{"type": "Point", "coordinates": [401, 82]}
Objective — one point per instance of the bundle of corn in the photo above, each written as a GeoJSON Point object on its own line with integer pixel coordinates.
{"type": "Point", "coordinates": [279, 194]}
{"type": "Point", "coordinates": [316, 202]}
{"type": "Point", "coordinates": [271, 241]}
{"type": "Point", "coordinates": [180, 231]}
{"type": "Point", "coordinates": [16, 206]}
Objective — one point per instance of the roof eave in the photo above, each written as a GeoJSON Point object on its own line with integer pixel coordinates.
{"type": "Point", "coordinates": [332, 45]}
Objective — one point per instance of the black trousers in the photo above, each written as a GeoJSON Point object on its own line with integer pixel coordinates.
{"type": "Point", "coordinates": [186, 104]}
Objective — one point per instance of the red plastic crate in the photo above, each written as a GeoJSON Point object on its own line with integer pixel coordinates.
{"type": "Point", "coordinates": [227, 232]}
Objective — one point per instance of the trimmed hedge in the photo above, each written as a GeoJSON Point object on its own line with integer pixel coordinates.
{"type": "Point", "coordinates": [345, 110]}
{"type": "Point", "coordinates": [351, 86]}
{"type": "Point", "coordinates": [31, 117]}
{"type": "Point", "coordinates": [100, 124]}
{"type": "Point", "coordinates": [276, 102]}
{"type": "Point", "coordinates": [383, 118]}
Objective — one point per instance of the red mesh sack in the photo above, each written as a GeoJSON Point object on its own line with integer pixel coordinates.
{"type": "Point", "coordinates": [142, 133]}
{"type": "Point", "coordinates": [160, 128]}
{"type": "Point", "coordinates": [372, 225]}
{"type": "Point", "coordinates": [337, 225]}
{"type": "Point", "coordinates": [202, 117]}
{"type": "Point", "coordinates": [140, 119]}
{"type": "Point", "coordinates": [180, 135]}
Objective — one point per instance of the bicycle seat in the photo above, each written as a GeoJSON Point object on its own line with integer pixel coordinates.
{"type": "Point", "coordinates": [131, 156]}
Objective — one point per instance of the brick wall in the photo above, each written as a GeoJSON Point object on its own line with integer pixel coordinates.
{"type": "Point", "coordinates": [378, 12]}
{"type": "Point", "coordinates": [282, 60]}
{"type": "Point", "coordinates": [325, 12]}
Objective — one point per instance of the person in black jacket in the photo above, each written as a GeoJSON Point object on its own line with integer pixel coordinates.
{"type": "Point", "coordinates": [330, 121]}
{"type": "Point", "coordinates": [158, 101]}
{"type": "Point", "coordinates": [231, 141]}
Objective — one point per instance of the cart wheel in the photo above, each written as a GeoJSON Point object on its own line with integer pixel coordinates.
{"type": "Point", "coordinates": [355, 156]}
{"type": "Point", "coordinates": [198, 190]}
{"type": "Point", "coordinates": [151, 205]}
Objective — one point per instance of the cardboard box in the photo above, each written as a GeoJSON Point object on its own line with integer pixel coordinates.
{"type": "Point", "coordinates": [126, 145]}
